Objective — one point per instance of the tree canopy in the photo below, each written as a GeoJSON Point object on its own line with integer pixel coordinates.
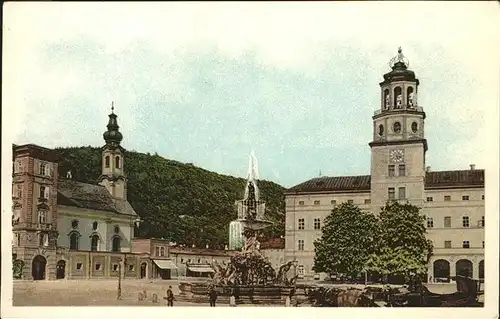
{"type": "Point", "coordinates": [181, 202]}
{"type": "Point", "coordinates": [391, 243]}
{"type": "Point", "coordinates": [349, 236]}
{"type": "Point", "coordinates": [403, 249]}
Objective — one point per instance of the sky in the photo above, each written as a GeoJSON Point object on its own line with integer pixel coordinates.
{"type": "Point", "coordinates": [207, 83]}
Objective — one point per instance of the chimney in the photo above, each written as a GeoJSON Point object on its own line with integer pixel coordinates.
{"type": "Point", "coordinates": [428, 169]}
{"type": "Point", "coordinates": [68, 175]}
{"type": "Point", "coordinates": [472, 167]}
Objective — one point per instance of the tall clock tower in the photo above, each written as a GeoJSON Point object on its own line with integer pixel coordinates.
{"type": "Point", "coordinates": [399, 145]}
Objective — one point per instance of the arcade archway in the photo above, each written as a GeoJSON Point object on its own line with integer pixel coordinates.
{"type": "Point", "coordinates": [481, 269]}
{"type": "Point", "coordinates": [38, 267]}
{"type": "Point", "coordinates": [60, 269]}
{"type": "Point", "coordinates": [441, 269]}
{"type": "Point", "coordinates": [464, 268]}
{"type": "Point", "coordinates": [144, 267]}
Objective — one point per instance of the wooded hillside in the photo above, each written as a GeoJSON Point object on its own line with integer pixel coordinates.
{"type": "Point", "coordinates": [178, 201]}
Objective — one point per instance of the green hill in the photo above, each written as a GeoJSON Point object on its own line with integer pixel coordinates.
{"type": "Point", "coordinates": [178, 201]}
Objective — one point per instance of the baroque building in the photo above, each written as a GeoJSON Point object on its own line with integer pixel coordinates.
{"type": "Point", "coordinates": [452, 201]}
{"type": "Point", "coordinates": [68, 229]}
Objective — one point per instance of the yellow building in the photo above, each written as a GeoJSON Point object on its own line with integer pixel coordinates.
{"type": "Point", "coordinates": [453, 201]}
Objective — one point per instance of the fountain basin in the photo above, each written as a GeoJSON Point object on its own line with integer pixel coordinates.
{"type": "Point", "coordinates": [252, 294]}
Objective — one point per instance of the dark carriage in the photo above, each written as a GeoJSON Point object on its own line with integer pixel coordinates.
{"type": "Point", "coordinates": [468, 291]}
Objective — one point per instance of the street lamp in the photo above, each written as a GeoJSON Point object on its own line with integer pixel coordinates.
{"type": "Point", "coordinates": [119, 293]}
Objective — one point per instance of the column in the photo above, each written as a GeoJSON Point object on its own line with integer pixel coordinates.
{"type": "Point", "coordinates": [453, 267]}
{"type": "Point", "coordinates": [475, 269]}
{"type": "Point", "coordinates": [430, 272]}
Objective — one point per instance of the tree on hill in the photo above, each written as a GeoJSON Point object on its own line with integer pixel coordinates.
{"type": "Point", "coordinates": [349, 237]}
{"type": "Point", "coordinates": [404, 250]}
{"type": "Point", "coordinates": [162, 190]}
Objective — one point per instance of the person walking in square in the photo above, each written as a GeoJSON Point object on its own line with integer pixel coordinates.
{"type": "Point", "coordinates": [170, 297]}
{"type": "Point", "coordinates": [232, 298]}
{"type": "Point", "coordinates": [212, 296]}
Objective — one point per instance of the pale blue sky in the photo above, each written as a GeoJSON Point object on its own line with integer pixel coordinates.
{"type": "Point", "coordinates": [207, 84]}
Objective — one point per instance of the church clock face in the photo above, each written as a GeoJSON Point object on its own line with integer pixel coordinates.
{"type": "Point", "coordinates": [397, 156]}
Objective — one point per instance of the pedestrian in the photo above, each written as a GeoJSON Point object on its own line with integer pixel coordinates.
{"type": "Point", "coordinates": [232, 298]}
{"type": "Point", "coordinates": [212, 296]}
{"type": "Point", "coordinates": [170, 297]}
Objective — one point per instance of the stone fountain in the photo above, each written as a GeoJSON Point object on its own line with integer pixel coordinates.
{"type": "Point", "coordinates": [249, 275]}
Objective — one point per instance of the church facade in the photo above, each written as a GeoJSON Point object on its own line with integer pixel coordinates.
{"type": "Point", "coordinates": [68, 229]}
{"type": "Point", "coordinates": [452, 201]}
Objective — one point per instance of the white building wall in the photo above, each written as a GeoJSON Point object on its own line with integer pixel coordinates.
{"type": "Point", "coordinates": [437, 209]}
{"type": "Point", "coordinates": [310, 207]}
{"type": "Point", "coordinates": [105, 229]}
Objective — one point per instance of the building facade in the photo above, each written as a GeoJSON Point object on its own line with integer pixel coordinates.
{"type": "Point", "coordinates": [452, 201]}
{"type": "Point", "coordinates": [68, 229]}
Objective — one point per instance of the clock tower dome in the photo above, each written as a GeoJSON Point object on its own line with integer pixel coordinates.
{"type": "Point", "coordinates": [399, 145]}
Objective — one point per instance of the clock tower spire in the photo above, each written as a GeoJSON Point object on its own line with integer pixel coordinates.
{"type": "Point", "coordinates": [399, 144]}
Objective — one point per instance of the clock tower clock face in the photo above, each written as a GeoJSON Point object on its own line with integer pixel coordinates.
{"type": "Point", "coordinates": [397, 156]}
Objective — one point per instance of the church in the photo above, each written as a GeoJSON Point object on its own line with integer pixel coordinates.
{"type": "Point", "coordinates": [452, 201]}
{"type": "Point", "coordinates": [68, 229]}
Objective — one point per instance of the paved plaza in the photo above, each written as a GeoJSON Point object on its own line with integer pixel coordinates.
{"type": "Point", "coordinates": [103, 293]}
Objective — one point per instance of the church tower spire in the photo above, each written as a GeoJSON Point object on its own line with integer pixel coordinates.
{"type": "Point", "coordinates": [113, 175]}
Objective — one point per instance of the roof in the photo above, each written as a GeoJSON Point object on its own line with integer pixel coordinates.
{"type": "Point", "coordinates": [273, 243]}
{"type": "Point", "coordinates": [433, 180]}
{"type": "Point", "coordinates": [91, 196]}
{"type": "Point", "coordinates": [200, 251]}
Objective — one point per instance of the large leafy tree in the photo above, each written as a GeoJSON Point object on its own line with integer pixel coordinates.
{"type": "Point", "coordinates": [403, 248]}
{"type": "Point", "coordinates": [349, 237]}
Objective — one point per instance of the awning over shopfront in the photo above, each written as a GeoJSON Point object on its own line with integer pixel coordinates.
{"type": "Point", "coordinates": [200, 269]}
{"type": "Point", "coordinates": [165, 264]}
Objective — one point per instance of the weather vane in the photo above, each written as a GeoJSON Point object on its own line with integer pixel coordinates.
{"type": "Point", "coordinates": [112, 106]}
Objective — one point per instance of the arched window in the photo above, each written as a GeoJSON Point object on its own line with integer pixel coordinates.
{"type": "Point", "coordinates": [117, 162]}
{"type": "Point", "coordinates": [387, 99]}
{"type": "Point", "coordinates": [94, 242]}
{"type": "Point", "coordinates": [106, 161]}
{"type": "Point", "coordinates": [410, 97]}
{"type": "Point", "coordinates": [94, 225]}
{"type": "Point", "coordinates": [117, 229]}
{"type": "Point", "coordinates": [74, 240]}
{"type": "Point", "coordinates": [116, 244]}
{"type": "Point", "coordinates": [398, 98]}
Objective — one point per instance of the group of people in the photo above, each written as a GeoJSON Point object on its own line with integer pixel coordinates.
{"type": "Point", "coordinates": [212, 296]}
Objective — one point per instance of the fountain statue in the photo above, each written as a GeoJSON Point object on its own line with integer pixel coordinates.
{"type": "Point", "coordinates": [250, 272]}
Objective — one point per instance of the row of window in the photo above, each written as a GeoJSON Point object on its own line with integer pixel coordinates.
{"type": "Point", "coordinates": [334, 202]}
{"type": "Point", "coordinates": [107, 161]}
{"type": "Point", "coordinates": [160, 251]}
{"type": "Point", "coordinates": [44, 168]}
{"type": "Point", "coordinates": [392, 193]}
{"type": "Point", "coordinates": [301, 223]}
{"type": "Point", "coordinates": [74, 242]}
{"type": "Point", "coordinates": [401, 170]}
{"type": "Point", "coordinates": [447, 244]}
{"type": "Point", "coordinates": [447, 222]}
{"type": "Point", "coordinates": [447, 198]}
{"type": "Point", "coordinates": [465, 244]}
